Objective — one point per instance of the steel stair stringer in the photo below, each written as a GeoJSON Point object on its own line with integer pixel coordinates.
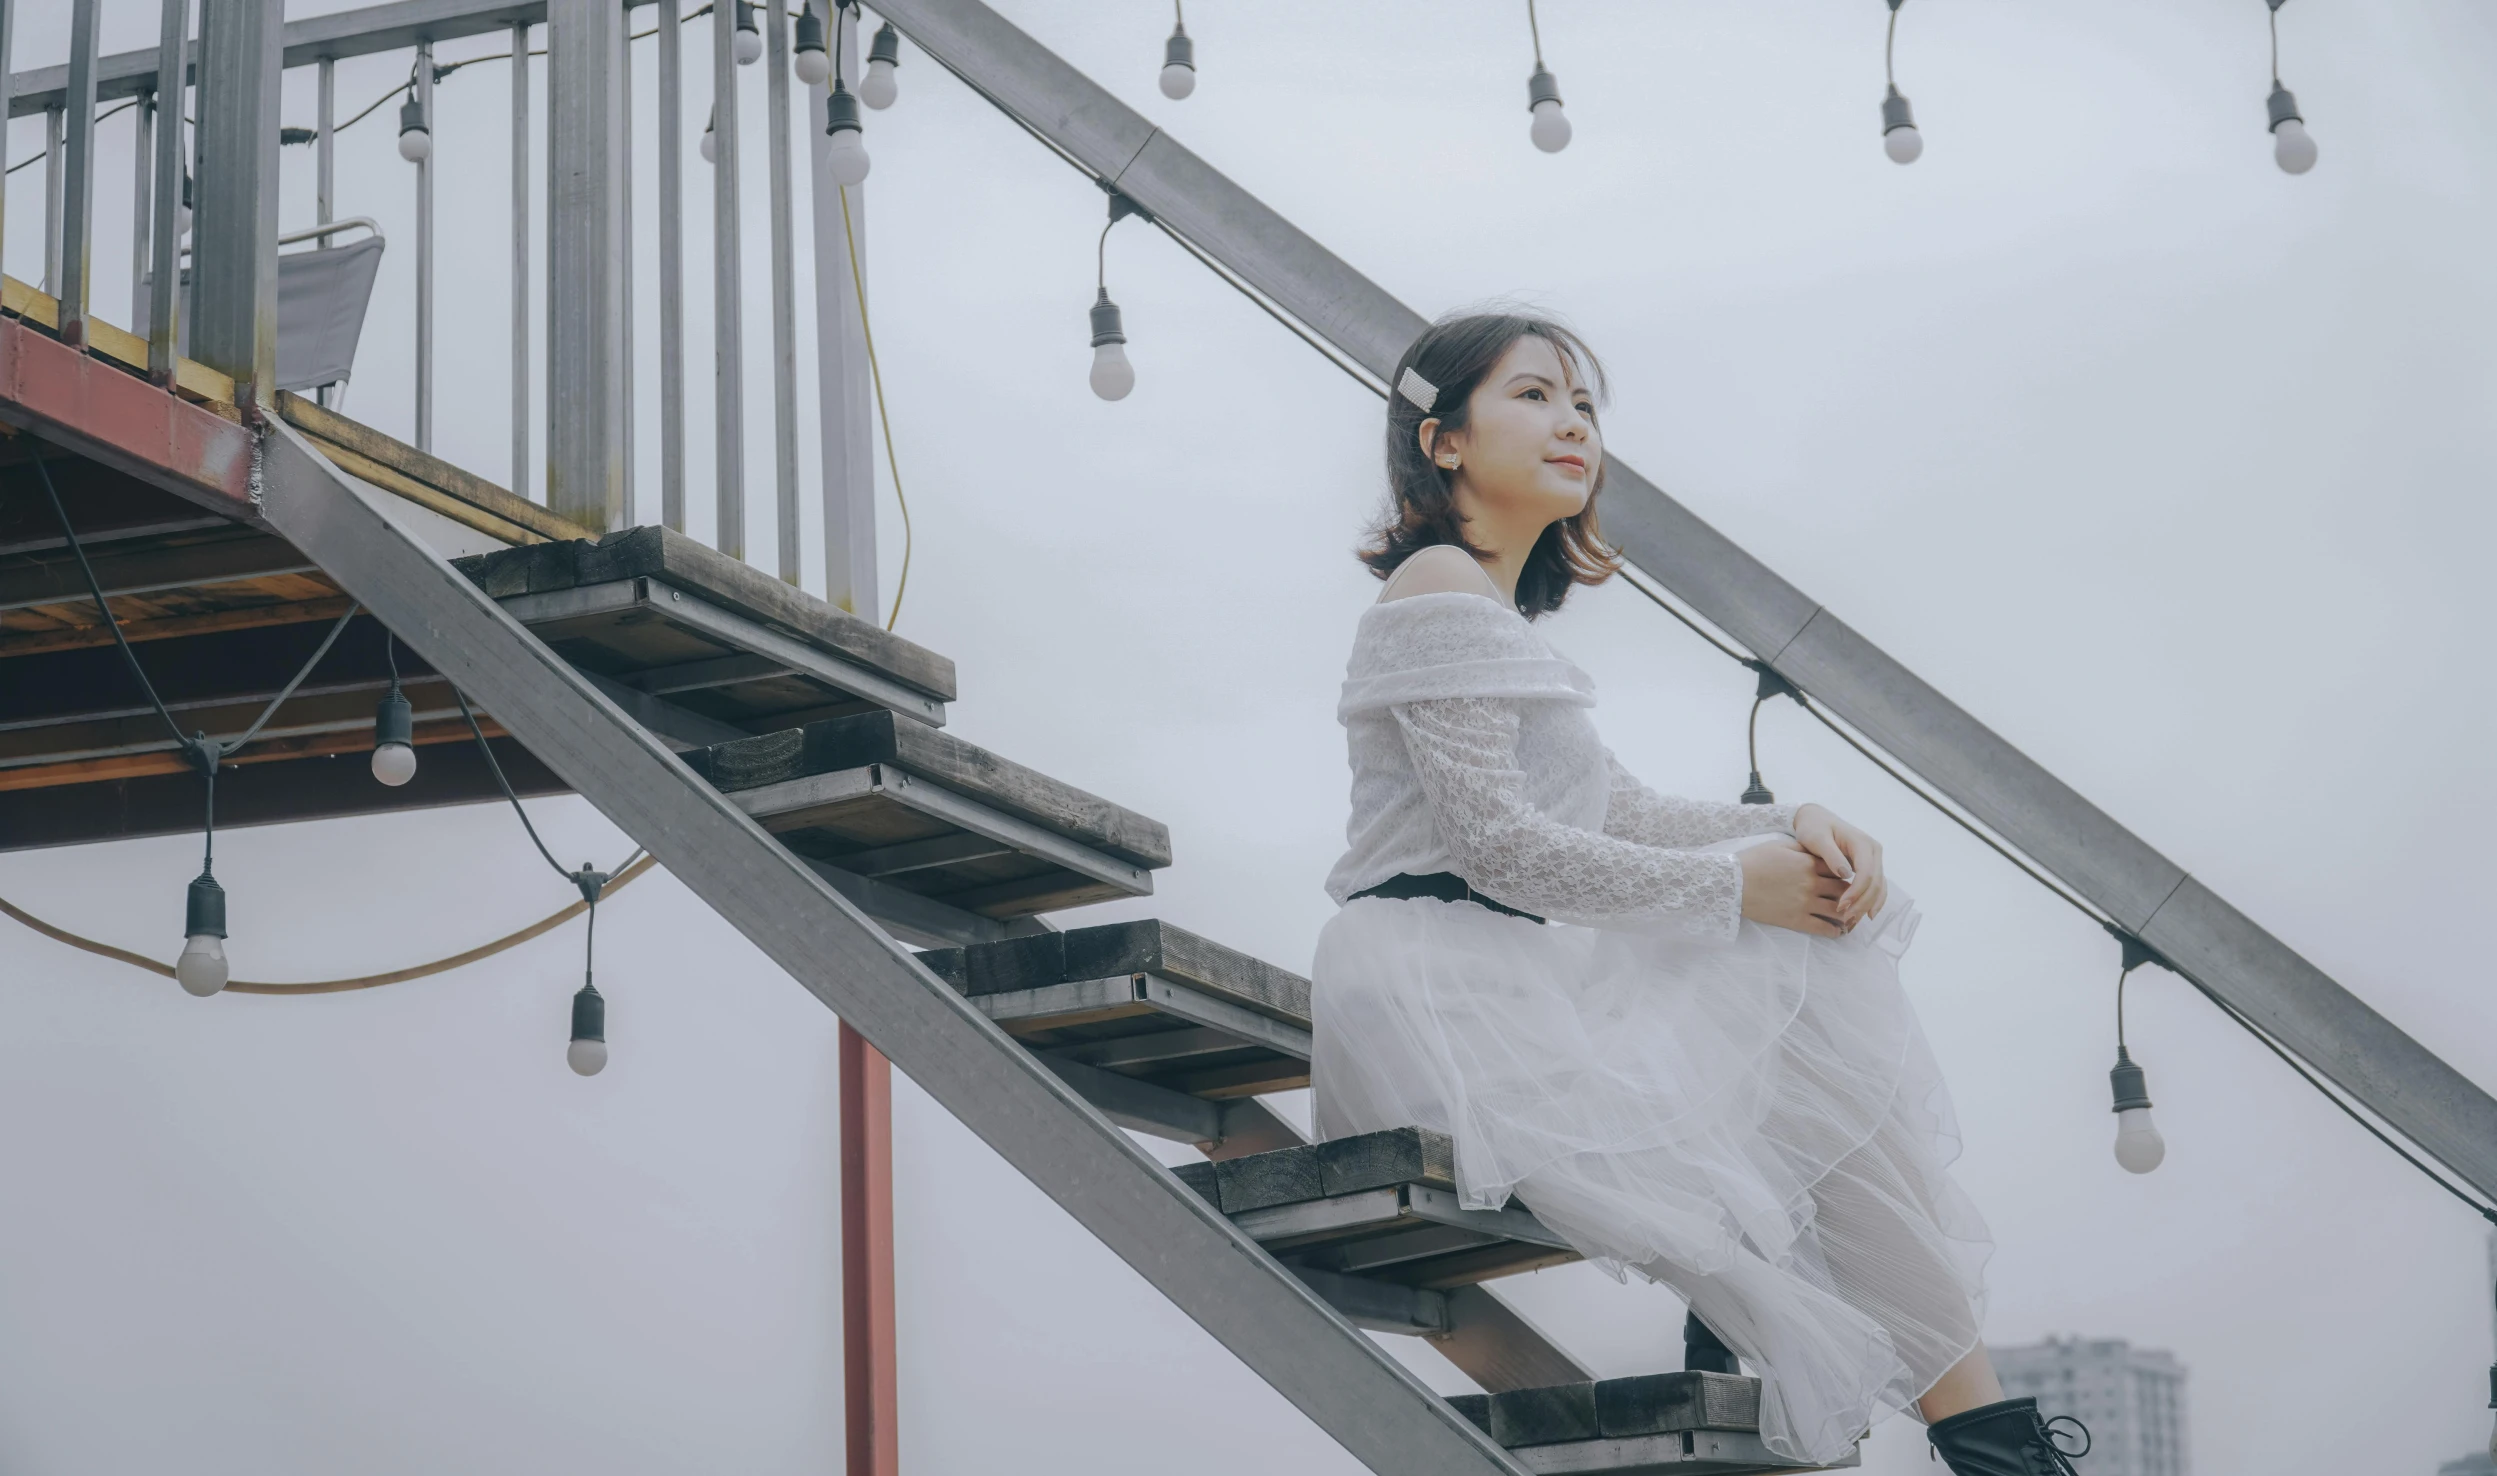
{"type": "Point", "coordinates": [1352, 1389]}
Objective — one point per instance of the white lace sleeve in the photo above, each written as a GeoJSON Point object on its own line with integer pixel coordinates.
{"type": "Point", "coordinates": [1637, 813]}
{"type": "Point", "coordinates": [1464, 750]}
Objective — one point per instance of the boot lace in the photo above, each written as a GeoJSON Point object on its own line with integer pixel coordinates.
{"type": "Point", "coordinates": [2060, 1458]}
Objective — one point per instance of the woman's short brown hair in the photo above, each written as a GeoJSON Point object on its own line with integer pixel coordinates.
{"type": "Point", "coordinates": [1454, 354]}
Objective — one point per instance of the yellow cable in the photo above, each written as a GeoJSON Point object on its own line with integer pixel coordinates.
{"type": "Point", "coordinates": [876, 372]}
{"type": "Point", "coordinates": [337, 986]}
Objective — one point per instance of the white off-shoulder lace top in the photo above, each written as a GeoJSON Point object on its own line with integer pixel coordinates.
{"type": "Point", "coordinates": [1473, 751]}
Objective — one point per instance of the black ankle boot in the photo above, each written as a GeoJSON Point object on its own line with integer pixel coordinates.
{"type": "Point", "coordinates": [2005, 1439]}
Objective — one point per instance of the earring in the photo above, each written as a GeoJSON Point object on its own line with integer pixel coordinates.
{"type": "Point", "coordinates": [1449, 462]}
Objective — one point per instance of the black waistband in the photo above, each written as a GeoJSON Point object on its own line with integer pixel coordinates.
{"type": "Point", "coordinates": [1447, 886]}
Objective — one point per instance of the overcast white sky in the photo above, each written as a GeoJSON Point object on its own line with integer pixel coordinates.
{"type": "Point", "coordinates": [2174, 469]}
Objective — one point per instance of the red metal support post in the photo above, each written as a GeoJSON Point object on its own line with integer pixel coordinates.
{"type": "Point", "coordinates": [870, 1384]}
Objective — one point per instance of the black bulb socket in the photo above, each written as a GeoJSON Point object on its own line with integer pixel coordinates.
{"type": "Point", "coordinates": [1179, 50]}
{"type": "Point", "coordinates": [1541, 88]}
{"type": "Point", "coordinates": [204, 911]}
{"type": "Point", "coordinates": [411, 119]}
{"type": "Point", "coordinates": [841, 110]}
{"type": "Point", "coordinates": [745, 15]}
{"type": "Point", "coordinates": [1106, 327]}
{"type": "Point", "coordinates": [887, 47]}
{"type": "Point", "coordinates": [2130, 1083]}
{"type": "Point", "coordinates": [394, 720]}
{"type": "Point", "coordinates": [1758, 793]}
{"type": "Point", "coordinates": [2282, 105]}
{"type": "Point", "coordinates": [809, 35]}
{"type": "Point", "coordinates": [1895, 112]}
{"type": "Point", "coordinates": [589, 1014]}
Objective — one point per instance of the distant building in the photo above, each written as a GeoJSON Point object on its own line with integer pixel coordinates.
{"type": "Point", "coordinates": [2132, 1399]}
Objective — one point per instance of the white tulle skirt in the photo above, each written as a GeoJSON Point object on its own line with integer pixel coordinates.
{"type": "Point", "coordinates": [1757, 1123]}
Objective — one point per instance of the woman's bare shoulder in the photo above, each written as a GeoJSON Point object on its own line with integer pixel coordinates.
{"type": "Point", "coordinates": [1443, 568]}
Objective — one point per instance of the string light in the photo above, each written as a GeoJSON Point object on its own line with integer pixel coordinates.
{"type": "Point", "coordinates": [1178, 57]}
{"type": "Point", "coordinates": [879, 87]}
{"type": "Point", "coordinates": [2293, 148]}
{"type": "Point", "coordinates": [710, 137]}
{"type": "Point", "coordinates": [587, 1054]}
{"type": "Point", "coordinates": [1550, 130]}
{"type": "Point", "coordinates": [416, 140]}
{"type": "Point", "coordinates": [847, 156]}
{"type": "Point", "coordinates": [1899, 138]}
{"type": "Point", "coordinates": [749, 44]}
{"type": "Point", "coordinates": [807, 57]}
{"type": "Point", "coordinates": [1112, 375]}
{"type": "Point", "coordinates": [201, 970]}
{"type": "Point", "coordinates": [2139, 1148]}
{"type": "Point", "coordinates": [394, 727]}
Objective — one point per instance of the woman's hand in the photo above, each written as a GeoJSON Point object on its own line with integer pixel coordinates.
{"type": "Point", "coordinates": [1850, 855]}
{"type": "Point", "coordinates": [1786, 886]}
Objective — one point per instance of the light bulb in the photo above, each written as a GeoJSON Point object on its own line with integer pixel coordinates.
{"type": "Point", "coordinates": [848, 152]}
{"type": "Point", "coordinates": [1178, 64]}
{"type": "Point", "coordinates": [1551, 128]}
{"type": "Point", "coordinates": [2138, 1144]}
{"type": "Point", "coordinates": [1112, 375]}
{"type": "Point", "coordinates": [201, 968]}
{"type": "Point", "coordinates": [182, 220]}
{"type": "Point", "coordinates": [884, 54]}
{"type": "Point", "coordinates": [2293, 148]}
{"type": "Point", "coordinates": [710, 145]}
{"type": "Point", "coordinates": [587, 1055]}
{"type": "Point", "coordinates": [848, 157]}
{"type": "Point", "coordinates": [878, 89]}
{"type": "Point", "coordinates": [416, 140]}
{"type": "Point", "coordinates": [811, 65]}
{"type": "Point", "coordinates": [749, 45]}
{"type": "Point", "coordinates": [394, 764]}
{"type": "Point", "coordinates": [1903, 144]}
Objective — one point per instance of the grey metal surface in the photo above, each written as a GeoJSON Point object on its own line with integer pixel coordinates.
{"type": "Point", "coordinates": [784, 296]}
{"type": "Point", "coordinates": [142, 175]}
{"type": "Point", "coordinates": [520, 396]}
{"type": "Point", "coordinates": [1381, 1306]}
{"type": "Point", "coordinates": [587, 418]}
{"type": "Point", "coordinates": [325, 140]}
{"type": "Point", "coordinates": [1140, 1106]}
{"type": "Point", "coordinates": [425, 252]}
{"type": "Point", "coordinates": [2437, 1107]}
{"type": "Point", "coordinates": [1689, 1453]}
{"type": "Point", "coordinates": [671, 267]}
{"type": "Point", "coordinates": [8, 84]}
{"type": "Point", "coordinates": [359, 31]}
{"type": "Point", "coordinates": [77, 289]}
{"type": "Point", "coordinates": [234, 201]}
{"type": "Point", "coordinates": [1379, 1412]}
{"type": "Point", "coordinates": [785, 806]}
{"type": "Point", "coordinates": [164, 250]}
{"type": "Point", "coordinates": [52, 201]}
{"type": "Point", "coordinates": [843, 406]}
{"type": "Point", "coordinates": [728, 298]}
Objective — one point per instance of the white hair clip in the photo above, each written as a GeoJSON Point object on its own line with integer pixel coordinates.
{"type": "Point", "coordinates": [1419, 390]}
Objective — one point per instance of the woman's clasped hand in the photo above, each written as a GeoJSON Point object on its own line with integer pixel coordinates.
{"type": "Point", "coordinates": [1824, 881]}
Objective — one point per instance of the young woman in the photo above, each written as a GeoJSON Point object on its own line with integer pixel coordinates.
{"type": "Point", "coordinates": [1673, 1028]}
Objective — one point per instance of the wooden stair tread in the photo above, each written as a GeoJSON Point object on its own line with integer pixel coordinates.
{"type": "Point", "coordinates": [652, 607]}
{"type": "Point", "coordinates": [1688, 1422]}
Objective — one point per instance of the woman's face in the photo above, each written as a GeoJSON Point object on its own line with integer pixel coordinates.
{"type": "Point", "coordinates": [1530, 450]}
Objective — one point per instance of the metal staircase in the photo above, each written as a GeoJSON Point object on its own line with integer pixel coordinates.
{"type": "Point", "coordinates": [837, 840]}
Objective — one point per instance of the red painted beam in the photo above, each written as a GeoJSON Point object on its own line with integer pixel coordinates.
{"type": "Point", "coordinates": [871, 1387]}
{"type": "Point", "coordinates": [89, 407]}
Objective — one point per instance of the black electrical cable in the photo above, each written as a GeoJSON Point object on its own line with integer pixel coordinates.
{"type": "Point", "coordinates": [506, 786]}
{"type": "Point", "coordinates": [61, 515]}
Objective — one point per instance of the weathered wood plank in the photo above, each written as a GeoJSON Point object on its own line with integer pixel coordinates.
{"type": "Point", "coordinates": [1151, 946]}
{"type": "Point", "coordinates": [1264, 1180]}
{"type": "Point", "coordinates": [98, 636]}
{"type": "Point", "coordinates": [1398, 1156]}
{"type": "Point", "coordinates": [1200, 1178]}
{"type": "Point", "coordinates": [1544, 1416]}
{"type": "Point", "coordinates": [939, 758]}
{"type": "Point", "coordinates": [55, 578]}
{"type": "Point", "coordinates": [1654, 1404]}
{"type": "Point", "coordinates": [663, 553]}
{"type": "Point", "coordinates": [405, 461]}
